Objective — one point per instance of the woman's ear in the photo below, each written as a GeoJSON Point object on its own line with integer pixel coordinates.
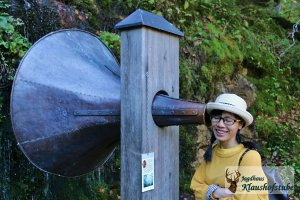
{"type": "Point", "coordinates": [241, 125]}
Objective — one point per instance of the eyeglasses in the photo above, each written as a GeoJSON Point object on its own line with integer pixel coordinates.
{"type": "Point", "coordinates": [226, 120]}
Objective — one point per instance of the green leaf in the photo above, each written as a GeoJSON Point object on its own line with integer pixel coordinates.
{"type": "Point", "coordinates": [186, 5]}
{"type": "Point", "coordinates": [151, 2]}
{"type": "Point", "coordinates": [4, 43]}
{"type": "Point", "coordinates": [3, 5]}
{"type": "Point", "coordinates": [3, 22]}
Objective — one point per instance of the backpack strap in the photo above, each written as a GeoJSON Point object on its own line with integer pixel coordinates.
{"type": "Point", "coordinates": [243, 156]}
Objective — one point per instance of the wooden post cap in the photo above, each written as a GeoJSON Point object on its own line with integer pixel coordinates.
{"type": "Point", "coordinates": [143, 18]}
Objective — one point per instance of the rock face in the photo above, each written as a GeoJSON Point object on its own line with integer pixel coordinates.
{"type": "Point", "coordinates": [43, 16]}
{"type": "Point", "coordinates": [203, 140]}
{"type": "Point", "coordinates": [240, 86]}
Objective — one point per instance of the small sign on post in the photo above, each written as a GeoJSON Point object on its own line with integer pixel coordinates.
{"type": "Point", "coordinates": [149, 65]}
{"type": "Point", "coordinates": [147, 172]}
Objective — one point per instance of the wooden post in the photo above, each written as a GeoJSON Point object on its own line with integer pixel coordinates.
{"type": "Point", "coordinates": [149, 64]}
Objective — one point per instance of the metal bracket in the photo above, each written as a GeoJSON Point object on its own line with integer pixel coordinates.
{"type": "Point", "coordinates": [97, 112]}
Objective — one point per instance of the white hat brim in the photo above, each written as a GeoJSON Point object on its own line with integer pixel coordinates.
{"type": "Point", "coordinates": [245, 115]}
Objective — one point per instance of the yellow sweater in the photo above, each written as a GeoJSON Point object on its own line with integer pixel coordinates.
{"type": "Point", "coordinates": [213, 172]}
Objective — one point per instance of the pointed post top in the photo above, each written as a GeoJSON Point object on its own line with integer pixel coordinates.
{"type": "Point", "coordinates": [143, 18]}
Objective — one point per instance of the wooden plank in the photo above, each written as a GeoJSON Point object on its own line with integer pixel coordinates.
{"type": "Point", "coordinates": [149, 64]}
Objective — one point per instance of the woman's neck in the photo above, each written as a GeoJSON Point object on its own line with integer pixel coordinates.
{"type": "Point", "coordinates": [228, 144]}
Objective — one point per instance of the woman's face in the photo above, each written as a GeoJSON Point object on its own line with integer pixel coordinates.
{"type": "Point", "coordinates": [223, 132]}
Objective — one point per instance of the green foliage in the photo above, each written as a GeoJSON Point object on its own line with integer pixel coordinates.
{"type": "Point", "coordinates": [291, 62]}
{"type": "Point", "coordinates": [283, 134]}
{"type": "Point", "coordinates": [81, 188]}
{"type": "Point", "coordinates": [191, 79]}
{"type": "Point", "coordinates": [278, 90]}
{"type": "Point", "coordinates": [188, 146]}
{"type": "Point", "coordinates": [112, 41]}
{"type": "Point", "coordinates": [265, 126]}
{"type": "Point", "coordinates": [289, 9]}
{"type": "Point", "coordinates": [12, 45]}
{"type": "Point", "coordinates": [187, 152]}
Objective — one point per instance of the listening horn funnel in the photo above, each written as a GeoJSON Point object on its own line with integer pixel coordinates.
{"type": "Point", "coordinates": [65, 104]}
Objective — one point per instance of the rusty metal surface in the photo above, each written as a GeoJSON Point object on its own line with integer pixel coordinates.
{"type": "Point", "coordinates": [167, 111]}
{"type": "Point", "coordinates": [62, 77]}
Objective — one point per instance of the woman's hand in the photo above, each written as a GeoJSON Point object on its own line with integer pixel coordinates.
{"type": "Point", "coordinates": [222, 193]}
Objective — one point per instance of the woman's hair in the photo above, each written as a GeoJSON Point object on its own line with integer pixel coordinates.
{"type": "Point", "coordinates": [239, 138]}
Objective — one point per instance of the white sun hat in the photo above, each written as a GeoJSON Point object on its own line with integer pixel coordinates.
{"type": "Point", "coordinates": [231, 103]}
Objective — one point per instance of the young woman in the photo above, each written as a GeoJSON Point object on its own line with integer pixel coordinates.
{"type": "Point", "coordinates": [228, 116]}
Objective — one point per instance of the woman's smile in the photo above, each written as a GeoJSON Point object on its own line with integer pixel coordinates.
{"type": "Point", "coordinates": [221, 132]}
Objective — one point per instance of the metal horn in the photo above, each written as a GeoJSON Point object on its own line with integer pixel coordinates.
{"type": "Point", "coordinates": [65, 104]}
